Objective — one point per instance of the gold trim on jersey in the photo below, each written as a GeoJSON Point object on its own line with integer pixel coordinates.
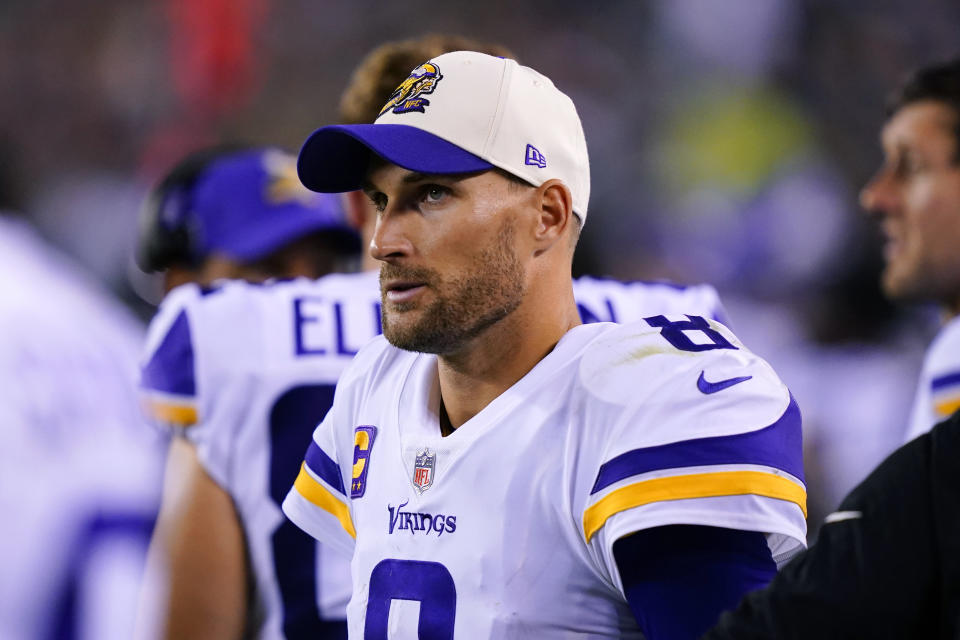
{"type": "Point", "coordinates": [320, 496]}
{"type": "Point", "coordinates": [946, 408]}
{"type": "Point", "coordinates": [165, 412]}
{"type": "Point", "coordinates": [699, 485]}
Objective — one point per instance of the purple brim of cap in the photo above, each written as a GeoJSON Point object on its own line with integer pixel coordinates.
{"type": "Point", "coordinates": [260, 240]}
{"type": "Point", "coordinates": [335, 158]}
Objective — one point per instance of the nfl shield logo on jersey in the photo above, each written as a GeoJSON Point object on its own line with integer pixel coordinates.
{"type": "Point", "coordinates": [423, 469]}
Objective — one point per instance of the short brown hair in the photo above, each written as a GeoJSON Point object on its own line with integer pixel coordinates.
{"type": "Point", "coordinates": [384, 68]}
{"type": "Point", "coordinates": [940, 83]}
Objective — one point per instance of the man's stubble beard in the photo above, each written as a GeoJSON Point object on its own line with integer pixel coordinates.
{"type": "Point", "coordinates": [464, 306]}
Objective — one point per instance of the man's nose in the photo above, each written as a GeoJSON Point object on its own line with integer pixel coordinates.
{"type": "Point", "coordinates": [877, 196]}
{"type": "Point", "coordinates": [390, 238]}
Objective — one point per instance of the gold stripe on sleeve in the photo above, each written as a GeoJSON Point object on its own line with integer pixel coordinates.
{"type": "Point", "coordinates": [947, 407]}
{"type": "Point", "coordinates": [182, 415]}
{"type": "Point", "coordinates": [318, 495]}
{"type": "Point", "coordinates": [700, 485]}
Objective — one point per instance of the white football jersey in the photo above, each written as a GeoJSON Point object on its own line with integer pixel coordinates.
{"type": "Point", "coordinates": [938, 392]}
{"type": "Point", "coordinates": [248, 371]}
{"type": "Point", "coordinates": [79, 474]}
{"type": "Point", "coordinates": [505, 528]}
{"type": "Point", "coordinates": [608, 300]}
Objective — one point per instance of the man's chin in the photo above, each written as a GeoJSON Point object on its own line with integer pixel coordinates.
{"type": "Point", "coordinates": [904, 287]}
{"type": "Point", "coordinates": [401, 330]}
{"type": "Point", "coordinates": [410, 341]}
{"type": "Point", "coordinates": [411, 334]}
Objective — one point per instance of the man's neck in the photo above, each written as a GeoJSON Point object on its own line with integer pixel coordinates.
{"type": "Point", "coordinates": [951, 311]}
{"type": "Point", "coordinates": [493, 362]}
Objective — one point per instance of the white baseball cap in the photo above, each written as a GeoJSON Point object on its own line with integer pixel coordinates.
{"type": "Point", "coordinates": [458, 113]}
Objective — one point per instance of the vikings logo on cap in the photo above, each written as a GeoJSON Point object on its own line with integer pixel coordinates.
{"type": "Point", "coordinates": [408, 96]}
{"type": "Point", "coordinates": [282, 184]}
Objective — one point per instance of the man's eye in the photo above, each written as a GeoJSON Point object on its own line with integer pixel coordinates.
{"type": "Point", "coordinates": [434, 193]}
{"type": "Point", "coordinates": [907, 165]}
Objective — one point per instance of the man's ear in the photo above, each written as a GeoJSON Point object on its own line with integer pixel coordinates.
{"type": "Point", "coordinates": [555, 213]}
{"type": "Point", "coordinates": [175, 275]}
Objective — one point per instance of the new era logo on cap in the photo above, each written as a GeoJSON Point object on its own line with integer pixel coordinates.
{"type": "Point", "coordinates": [480, 116]}
{"type": "Point", "coordinates": [535, 158]}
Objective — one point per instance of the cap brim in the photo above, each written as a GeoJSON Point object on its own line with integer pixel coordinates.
{"type": "Point", "coordinates": [335, 158]}
{"type": "Point", "coordinates": [260, 240]}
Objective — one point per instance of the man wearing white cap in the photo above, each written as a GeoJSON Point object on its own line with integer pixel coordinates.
{"type": "Point", "coordinates": [496, 468]}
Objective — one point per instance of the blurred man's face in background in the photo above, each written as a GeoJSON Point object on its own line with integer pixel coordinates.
{"type": "Point", "coordinates": [915, 196]}
{"type": "Point", "coordinates": [312, 255]}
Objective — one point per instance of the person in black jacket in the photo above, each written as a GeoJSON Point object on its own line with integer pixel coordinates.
{"type": "Point", "coordinates": [886, 564]}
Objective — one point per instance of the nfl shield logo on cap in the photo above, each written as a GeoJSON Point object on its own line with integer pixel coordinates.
{"type": "Point", "coordinates": [424, 466]}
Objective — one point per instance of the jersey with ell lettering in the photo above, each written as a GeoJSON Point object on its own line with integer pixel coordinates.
{"type": "Point", "coordinates": [247, 371]}
{"type": "Point", "coordinates": [505, 528]}
{"type": "Point", "coordinates": [938, 391]}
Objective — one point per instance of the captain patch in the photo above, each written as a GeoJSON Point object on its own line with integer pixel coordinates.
{"type": "Point", "coordinates": [362, 445]}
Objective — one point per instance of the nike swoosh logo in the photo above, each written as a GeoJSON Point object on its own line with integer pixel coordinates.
{"type": "Point", "coordinates": [713, 387]}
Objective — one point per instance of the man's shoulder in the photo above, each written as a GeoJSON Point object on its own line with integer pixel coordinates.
{"type": "Point", "coordinates": [664, 343]}
{"type": "Point", "coordinates": [938, 394]}
{"type": "Point", "coordinates": [674, 420]}
{"type": "Point", "coordinates": [944, 351]}
{"type": "Point", "coordinates": [669, 369]}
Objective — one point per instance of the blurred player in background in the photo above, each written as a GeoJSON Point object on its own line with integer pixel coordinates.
{"type": "Point", "coordinates": [227, 212]}
{"type": "Point", "coordinates": [915, 196]}
{"type": "Point", "coordinates": [262, 362]}
{"type": "Point", "coordinates": [507, 472]}
{"type": "Point", "coordinates": [886, 564]}
{"type": "Point", "coordinates": [74, 534]}
{"type": "Point", "coordinates": [221, 539]}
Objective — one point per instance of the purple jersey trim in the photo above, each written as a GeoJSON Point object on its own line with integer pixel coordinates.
{"type": "Point", "coordinates": [324, 467]}
{"type": "Point", "coordinates": [947, 380]}
{"type": "Point", "coordinates": [779, 446]}
{"type": "Point", "coordinates": [170, 369]}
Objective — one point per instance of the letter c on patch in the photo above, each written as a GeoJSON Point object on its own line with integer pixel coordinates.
{"type": "Point", "coordinates": [362, 446]}
{"type": "Point", "coordinates": [361, 451]}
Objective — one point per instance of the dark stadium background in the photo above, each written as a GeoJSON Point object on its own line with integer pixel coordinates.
{"type": "Point", "coordinates": [728, 142]}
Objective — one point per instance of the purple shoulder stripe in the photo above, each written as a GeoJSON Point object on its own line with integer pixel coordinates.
{"type": "Point", "coordinates": [324, 467]}
{"type": "Point", "coordinates": [948, 380]}
{"type": "Point", "coordinates": [171, 367]}
{"type": "Point", "coordinates": [779, 446]}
